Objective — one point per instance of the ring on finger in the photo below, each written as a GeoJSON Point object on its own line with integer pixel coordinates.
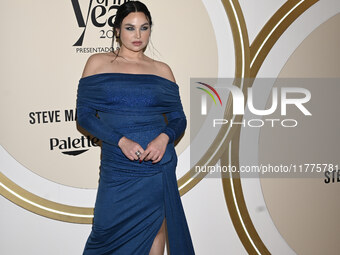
{"type": "Point", "coordinates": [138, 153]}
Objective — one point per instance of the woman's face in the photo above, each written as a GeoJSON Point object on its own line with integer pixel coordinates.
{"type": "Point", "coordinates": [135, 31]}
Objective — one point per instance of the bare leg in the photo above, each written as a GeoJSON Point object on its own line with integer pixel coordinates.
{"type": "Point", "coordinates": [158, 245]}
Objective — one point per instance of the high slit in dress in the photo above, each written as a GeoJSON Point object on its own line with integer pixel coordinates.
{"type": "Point", "coordinates": [134, 198]}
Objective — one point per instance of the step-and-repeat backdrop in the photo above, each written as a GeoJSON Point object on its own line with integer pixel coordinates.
{"type": "Point", "coordinates": [258, 166]}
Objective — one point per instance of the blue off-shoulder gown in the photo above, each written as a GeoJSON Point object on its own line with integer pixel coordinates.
{"type": "Point", "coordinates": [133, 198]}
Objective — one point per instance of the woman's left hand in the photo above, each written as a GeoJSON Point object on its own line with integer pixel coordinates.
{"type": "Point", "coordinates": [155, 149]}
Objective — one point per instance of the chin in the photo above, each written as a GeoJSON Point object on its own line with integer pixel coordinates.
{"type": "Point", "coordinates": [138, 48]}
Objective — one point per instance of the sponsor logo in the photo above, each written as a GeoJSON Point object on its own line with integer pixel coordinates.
{"type": "Point", "coordinates": [73, 146]}
{"type": "Point", "coordinates": [99, 14]}
{"type": "Point", "coordinates": [68, 146]}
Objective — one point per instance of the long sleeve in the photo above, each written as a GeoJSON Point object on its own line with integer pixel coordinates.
{"type": "Point", "coordinates": [86, 117]}
{"type": "Point", "coordinates": [177, 123]}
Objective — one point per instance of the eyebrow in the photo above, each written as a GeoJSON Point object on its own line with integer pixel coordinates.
{"type": "Point", "coordinates": [128, 24]}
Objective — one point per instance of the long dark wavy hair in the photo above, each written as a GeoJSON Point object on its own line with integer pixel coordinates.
{"type": "Point", "coordinates": [124, 10]}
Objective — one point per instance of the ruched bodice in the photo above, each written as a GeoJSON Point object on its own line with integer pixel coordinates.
{"type": "Point", "coordinates": [133, 198]}
{"type": "Point", "coordinates": [130, 93]}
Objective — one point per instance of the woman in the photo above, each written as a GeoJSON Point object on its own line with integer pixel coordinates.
{"type": "Point", "coordinates": [122, 97]}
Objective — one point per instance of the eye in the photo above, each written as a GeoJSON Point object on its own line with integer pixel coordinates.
{"type": "Point", "coordinates": [129, 28]}
{"type": "Point", "coordinates": [145, 28]}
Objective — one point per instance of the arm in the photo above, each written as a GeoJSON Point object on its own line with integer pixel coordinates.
{"type": "Point", "coordinates": [177, 123]}
{"type": "Point", "coordinates": [86, 114]}
{"type": "Point", "coordinates": [86, 117]}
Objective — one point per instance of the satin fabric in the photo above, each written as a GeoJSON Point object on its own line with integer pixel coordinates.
{"type": "Point", "coordinates": [133, 198]}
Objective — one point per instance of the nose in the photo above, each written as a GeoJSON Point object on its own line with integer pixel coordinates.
{"type": "Point", "coordinates": [138, 33]}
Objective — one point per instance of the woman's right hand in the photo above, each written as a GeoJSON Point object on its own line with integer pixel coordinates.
{"type": "Point", "coordinates": [129, 148]}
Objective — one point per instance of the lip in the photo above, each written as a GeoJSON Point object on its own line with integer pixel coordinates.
{"type": "Point", "coordinates": [137, 43]}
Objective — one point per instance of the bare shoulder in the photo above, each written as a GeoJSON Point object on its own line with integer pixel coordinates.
{"type": "Point", "coordinates": [93, 63]}
{"type": "Point", "coordinates": [164, 71]}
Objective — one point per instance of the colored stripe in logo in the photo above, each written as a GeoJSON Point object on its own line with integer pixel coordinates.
{"type": "Point", "coordinates": [211, 88]}
{"type": "Point", "coordinates": [204, 97]}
